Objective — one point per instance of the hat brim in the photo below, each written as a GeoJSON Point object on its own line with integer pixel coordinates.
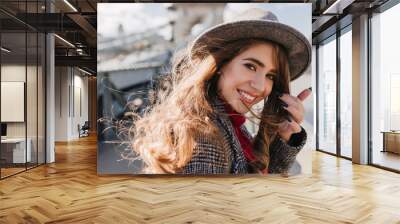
{"type": "Point", "coordinates": [297, 46]}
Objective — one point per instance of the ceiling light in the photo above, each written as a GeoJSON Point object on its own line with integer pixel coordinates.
{"type": "Point", "coordinates": [70, 5]}
{"type": "Point", "coordinates": [79, 51]}
{"type": "Point", "coordinates": [5, 50]}
{"type": "Point", "coordinates": [86, 72]}
{"type": "Point", "coordinates": [64, 40]}
{"type": "Point", "coordinates": [337, 7]}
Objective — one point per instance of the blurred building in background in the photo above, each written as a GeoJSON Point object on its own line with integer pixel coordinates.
{"type": "Point", "coordinates": [145, 55]}
{"type": "Point", "coordinates": [189, 20]}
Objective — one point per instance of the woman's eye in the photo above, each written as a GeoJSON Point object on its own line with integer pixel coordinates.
{"type": "Point", "coordinates": [251, 67]}
{"type": "Point", "coordinates": [270, 76]}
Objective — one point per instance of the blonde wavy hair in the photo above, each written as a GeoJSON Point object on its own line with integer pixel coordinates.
{"type": "Point", "coordinates": [166, 134]}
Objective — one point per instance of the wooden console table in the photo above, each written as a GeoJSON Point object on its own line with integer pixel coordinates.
{"type": "Point", "coordinates": [391, 141]}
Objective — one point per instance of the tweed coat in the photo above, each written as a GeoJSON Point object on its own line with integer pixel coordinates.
{"type": "Point", "coordinates": [223, 154]}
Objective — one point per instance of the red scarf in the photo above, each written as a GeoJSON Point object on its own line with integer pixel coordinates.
{"type": "Point", "coordinates": [237, 121]}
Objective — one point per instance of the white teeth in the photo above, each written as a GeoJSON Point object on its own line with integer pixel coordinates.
{"type": "Point", "coordinates": [246, 96]}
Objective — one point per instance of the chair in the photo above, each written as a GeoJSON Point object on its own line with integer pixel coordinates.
{"type": "Point", "coordinates": [84, 130]}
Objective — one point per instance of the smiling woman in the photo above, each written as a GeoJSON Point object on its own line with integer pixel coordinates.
{"type": "Point", "coordinates": [248, 78]}
{"type": "Point", "coordinates": [197, 127]}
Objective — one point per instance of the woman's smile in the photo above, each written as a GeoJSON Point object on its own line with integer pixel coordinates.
{"type": "Point", "coordinates": [247, 97]}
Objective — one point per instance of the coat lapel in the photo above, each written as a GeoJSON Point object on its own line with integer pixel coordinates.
{"type": "Point", "coordinates": [238, 161]}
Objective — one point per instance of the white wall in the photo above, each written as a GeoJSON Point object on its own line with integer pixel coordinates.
{"type": "Point", "coordinates": [79, 117]}
{"type": "Point", "coordinates": [70, 83]}
{"type": "Point", "coordinates": [16, 73]}
{"type": "Point", "coordinates": [61, 103]}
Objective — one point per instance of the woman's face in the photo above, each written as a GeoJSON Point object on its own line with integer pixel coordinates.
{"type": "Point", "coordinates": [248, 78]}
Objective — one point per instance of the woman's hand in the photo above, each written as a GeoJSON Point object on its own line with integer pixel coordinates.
{"type": "Point", "coordinates": [294, 105]}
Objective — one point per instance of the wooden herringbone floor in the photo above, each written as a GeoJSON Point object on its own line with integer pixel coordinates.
{"type": "Point", "coordinates": [69, 191]}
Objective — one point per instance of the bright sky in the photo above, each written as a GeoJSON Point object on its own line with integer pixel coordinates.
{"type": "Point", "coordinates": [134, 17]}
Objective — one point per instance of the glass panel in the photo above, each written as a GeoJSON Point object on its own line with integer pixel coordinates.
{"type": "Point", "coordinates": [31, 98]}
{"type": "Point", "coordinates": [327, 96]}
{"type": "Point", "coordinates": [41, 98]}
{"type": "Point", "coordinates": [22, 88]}
{"type": "Point", "coordinates": [13, 79]}
{"type": "Point", "coordinates": [346, 94]}
{"type": "Point", "coordinates": [385, 86]}
{"type": "Point", "coordinates": [31, 88]}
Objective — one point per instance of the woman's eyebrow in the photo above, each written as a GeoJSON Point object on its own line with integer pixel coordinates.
{"type": "Point", "coordinates": [255, 61]}
{"type": "Point", "coordinates": [260, 64]}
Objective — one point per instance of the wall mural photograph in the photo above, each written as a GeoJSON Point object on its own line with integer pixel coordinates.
{"type": "Point", "coordinates": [204, 89]}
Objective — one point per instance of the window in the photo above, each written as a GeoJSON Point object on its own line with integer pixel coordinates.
{"type": "Point", "coordinates": [385, 89]}
{"type": "Point", "coordinates": [327, 96]}
{"type": "Point", "coordinates": [346, 92]}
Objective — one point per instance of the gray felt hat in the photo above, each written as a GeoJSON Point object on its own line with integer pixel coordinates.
{"type": "Point", "coordinates": [260, 24]}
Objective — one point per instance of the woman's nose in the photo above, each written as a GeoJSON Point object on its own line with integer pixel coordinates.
{"type": "Point", "coordinates": [258, 83]}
